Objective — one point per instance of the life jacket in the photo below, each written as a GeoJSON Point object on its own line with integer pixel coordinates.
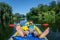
{"type": "Point", "coordinates": [31, 26]}
{"type": "Point", "coordinates": [25, 27]}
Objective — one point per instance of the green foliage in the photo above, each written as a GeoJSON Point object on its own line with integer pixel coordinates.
{"type": "Point", "coordinates": [46, 13]}
{"type": "Point", "coordinates": [5, 20]}
{"type": "Point", "coordinates": [16, 17]}
{"type": "Point", "coordinates": [6, 13]}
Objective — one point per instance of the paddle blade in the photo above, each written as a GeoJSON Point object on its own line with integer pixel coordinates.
{"type": "Point", "coordinates": [11, 25]}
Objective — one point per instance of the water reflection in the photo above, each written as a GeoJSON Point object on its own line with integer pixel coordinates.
{"type": "Point", "coordinates": [22, 22]}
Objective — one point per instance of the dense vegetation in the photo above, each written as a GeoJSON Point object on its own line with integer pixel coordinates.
{"type": "Point", "coordinates": [40, 14]}
{"type": "Point", "coordinates": [17, 16]}
{"type": "Point", "coordinates": [46, 13]}
{"type": "Point", "coordinates": [6, 18]}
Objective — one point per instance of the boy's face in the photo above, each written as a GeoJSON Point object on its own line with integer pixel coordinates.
{"type": "Point", "coordinates": [31, 22]}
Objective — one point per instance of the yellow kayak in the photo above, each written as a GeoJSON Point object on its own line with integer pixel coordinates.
{"type": "Point", "coordinates": [26, 28]}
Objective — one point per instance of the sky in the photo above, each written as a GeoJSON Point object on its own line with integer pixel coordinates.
{"type": "Point", "coordinates": [24, 6]}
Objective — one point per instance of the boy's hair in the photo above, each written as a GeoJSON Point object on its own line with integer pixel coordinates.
{"type": "Point", "coordinates": [31, 21]}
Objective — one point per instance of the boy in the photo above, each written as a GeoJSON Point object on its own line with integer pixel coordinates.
{"type": "Point", "coordinates": [32, 30]}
